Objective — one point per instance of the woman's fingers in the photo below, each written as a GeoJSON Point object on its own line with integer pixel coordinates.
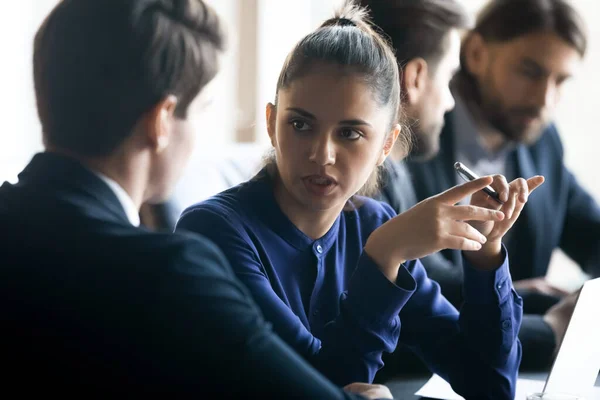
{"type": "Point", "coordinates": [525, 189]}
{"type": "Point", "coordinates": [462, 243]}
{"type": "Point", "coordinates": [464, 230]}
{"type": "Point", "coordinates": [517, 211]}
{"type": "Point", "coordinates": [474, 213]}
{"type": "Point", "coordinates": [519, 192]}
{"type": "Point", "coordinates": [520, 189]}
{"type": "Point", "coordinates": [457, 193]}
{"type": "Point", "coordinates": [501, 186]}
{"type": "Point", "coordinates": [535, 182]}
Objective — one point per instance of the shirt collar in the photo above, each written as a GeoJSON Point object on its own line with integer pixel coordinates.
{"type": "Point", "coordinates": [468, 139]}
{"type": "Point", "coordinates": [126, 202]}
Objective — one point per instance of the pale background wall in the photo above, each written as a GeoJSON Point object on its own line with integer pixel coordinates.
{"type": "Point", "coordinates": [261, 33]}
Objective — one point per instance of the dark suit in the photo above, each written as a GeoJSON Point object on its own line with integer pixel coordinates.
{"type": "Point", "coordinates": [91, 304]}
{"type": "Point", "coordinates": [558, 214]}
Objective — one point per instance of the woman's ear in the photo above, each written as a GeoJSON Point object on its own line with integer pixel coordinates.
{"type": "Point", "coordinates": [159, 123]}
{"type": "Point", "coordinates": [389, 143]}
{"type": "Point", "coordinates": [271, 115]}
{"type": "Point", "coordinates": [414, 80]}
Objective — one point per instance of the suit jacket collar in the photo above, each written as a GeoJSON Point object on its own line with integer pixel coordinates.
{"type": "Point", "coordinates": [68, 178]}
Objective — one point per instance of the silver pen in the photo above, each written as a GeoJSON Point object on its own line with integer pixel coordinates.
{"type": "Point", "coordinates": [469, 176]}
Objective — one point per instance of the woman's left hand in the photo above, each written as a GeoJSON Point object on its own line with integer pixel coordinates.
{"type": "Point", "coordinates": [514, 195]}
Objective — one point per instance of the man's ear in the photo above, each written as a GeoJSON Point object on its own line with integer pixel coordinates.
{"type": "Point", "coordinates": [475, 52]}
{"type": "Point", "coordinates": [389, 143]}
{"type": "Point", "coordinates": [159, 123]}
{"type": "Point", "coordinates": [414, 79]}
{"type": "Point", "coordinates": [271, 115]}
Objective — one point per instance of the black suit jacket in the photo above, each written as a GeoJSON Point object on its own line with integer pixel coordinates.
{"type": "Point", "coordinates": [91, 304]}
{"type": "Point", "coordinates": [558, 214]}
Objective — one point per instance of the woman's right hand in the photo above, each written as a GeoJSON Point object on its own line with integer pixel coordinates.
{"type": "Point", "coordinates": [432, 225]}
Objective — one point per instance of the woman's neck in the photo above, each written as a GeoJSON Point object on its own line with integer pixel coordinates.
{"type": "Point", "coordinates": [313, 223]}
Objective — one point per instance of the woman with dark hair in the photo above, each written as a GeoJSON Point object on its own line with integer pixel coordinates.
{"type": "Point", "coordinates": [337, 273]}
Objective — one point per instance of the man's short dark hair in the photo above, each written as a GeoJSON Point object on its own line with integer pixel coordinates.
{"type": "Point", "coordinates": [418, 28]}
{"type": "Point", "coordinates": [99, 65]}
{"type": "Point", "coordinates": [505, 20]}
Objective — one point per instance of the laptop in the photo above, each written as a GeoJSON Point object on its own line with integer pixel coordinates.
{"type": "Point", "coordinates": [575, 368]}
{"type": "Point", "coordinates": [576, 365]}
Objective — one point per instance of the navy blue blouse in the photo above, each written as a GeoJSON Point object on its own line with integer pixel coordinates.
{"type": "Point", "coordinates": [329, 301]}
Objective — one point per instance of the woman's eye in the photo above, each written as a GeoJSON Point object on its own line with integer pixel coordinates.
{"type": "Point", "coordinates": [300, 125]}
{"type": "Point", "coordinates": [350, 134]}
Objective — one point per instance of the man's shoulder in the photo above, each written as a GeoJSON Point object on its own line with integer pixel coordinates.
{"type": "Point", "coordinates": [549, 137]}
{"type": "Point", "coordinates": [34, 237]}
{"type": "Point", "coordinates": [548, 147]}
{"type": "Point", "coordinates": [162, 249]}
{"type": "Point", "coordinates": [183, 246]}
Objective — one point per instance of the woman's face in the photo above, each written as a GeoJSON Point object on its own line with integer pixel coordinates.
{"type": "Point", "coordinates": [329, 133]}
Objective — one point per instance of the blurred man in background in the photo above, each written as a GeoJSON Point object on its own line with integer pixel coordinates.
{"type": "Point", "coordinates": [514, 64]}
{"type": "Point", "coordinates": [425, 35]}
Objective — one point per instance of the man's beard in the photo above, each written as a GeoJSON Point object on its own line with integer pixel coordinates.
{"type": "Point", "coordinates": [511, 122]}
{"type": "Point", "coordinates": [426, 141]}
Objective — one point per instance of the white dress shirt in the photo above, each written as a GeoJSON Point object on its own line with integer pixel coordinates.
{"type": "Point", "coordinates": [128, 205]}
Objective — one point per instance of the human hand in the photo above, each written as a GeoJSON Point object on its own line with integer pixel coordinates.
{"type": "Point", "coordinates": [514, 196]}
{"type": "Point", "coordinates": [432, 225]}
{"type": "Point", "coordinates": [369, 391]}
{"type": "Point", "coordinates": [558, 316]}
{"type": "Point", "coordinates": [540, 285]}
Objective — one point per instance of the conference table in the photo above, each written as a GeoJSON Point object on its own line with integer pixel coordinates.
{"type": "Point", "coordinates": [404, 387]}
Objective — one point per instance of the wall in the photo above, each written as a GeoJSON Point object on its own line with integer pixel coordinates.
{"type": "Point", "coordinates": [20, 135]}
{"type": "Point", "coordinates": [19, 132]}
{"type": "Point", "coordinates": [261, 33]}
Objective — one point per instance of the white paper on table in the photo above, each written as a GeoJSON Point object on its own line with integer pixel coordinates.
{"type": "Point", "coordinates": [437, 388]}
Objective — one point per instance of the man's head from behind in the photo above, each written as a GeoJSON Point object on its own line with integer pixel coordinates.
{"type": "Point", "coordinates": [124, 76]}
{"type": "Point", "coordinates": [519, 55]}
{"type": "Point", "coordinates": [426, 37]}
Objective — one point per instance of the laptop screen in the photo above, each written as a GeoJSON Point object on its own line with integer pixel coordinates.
{"type": "Point", "coordinates": [577, 363]}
